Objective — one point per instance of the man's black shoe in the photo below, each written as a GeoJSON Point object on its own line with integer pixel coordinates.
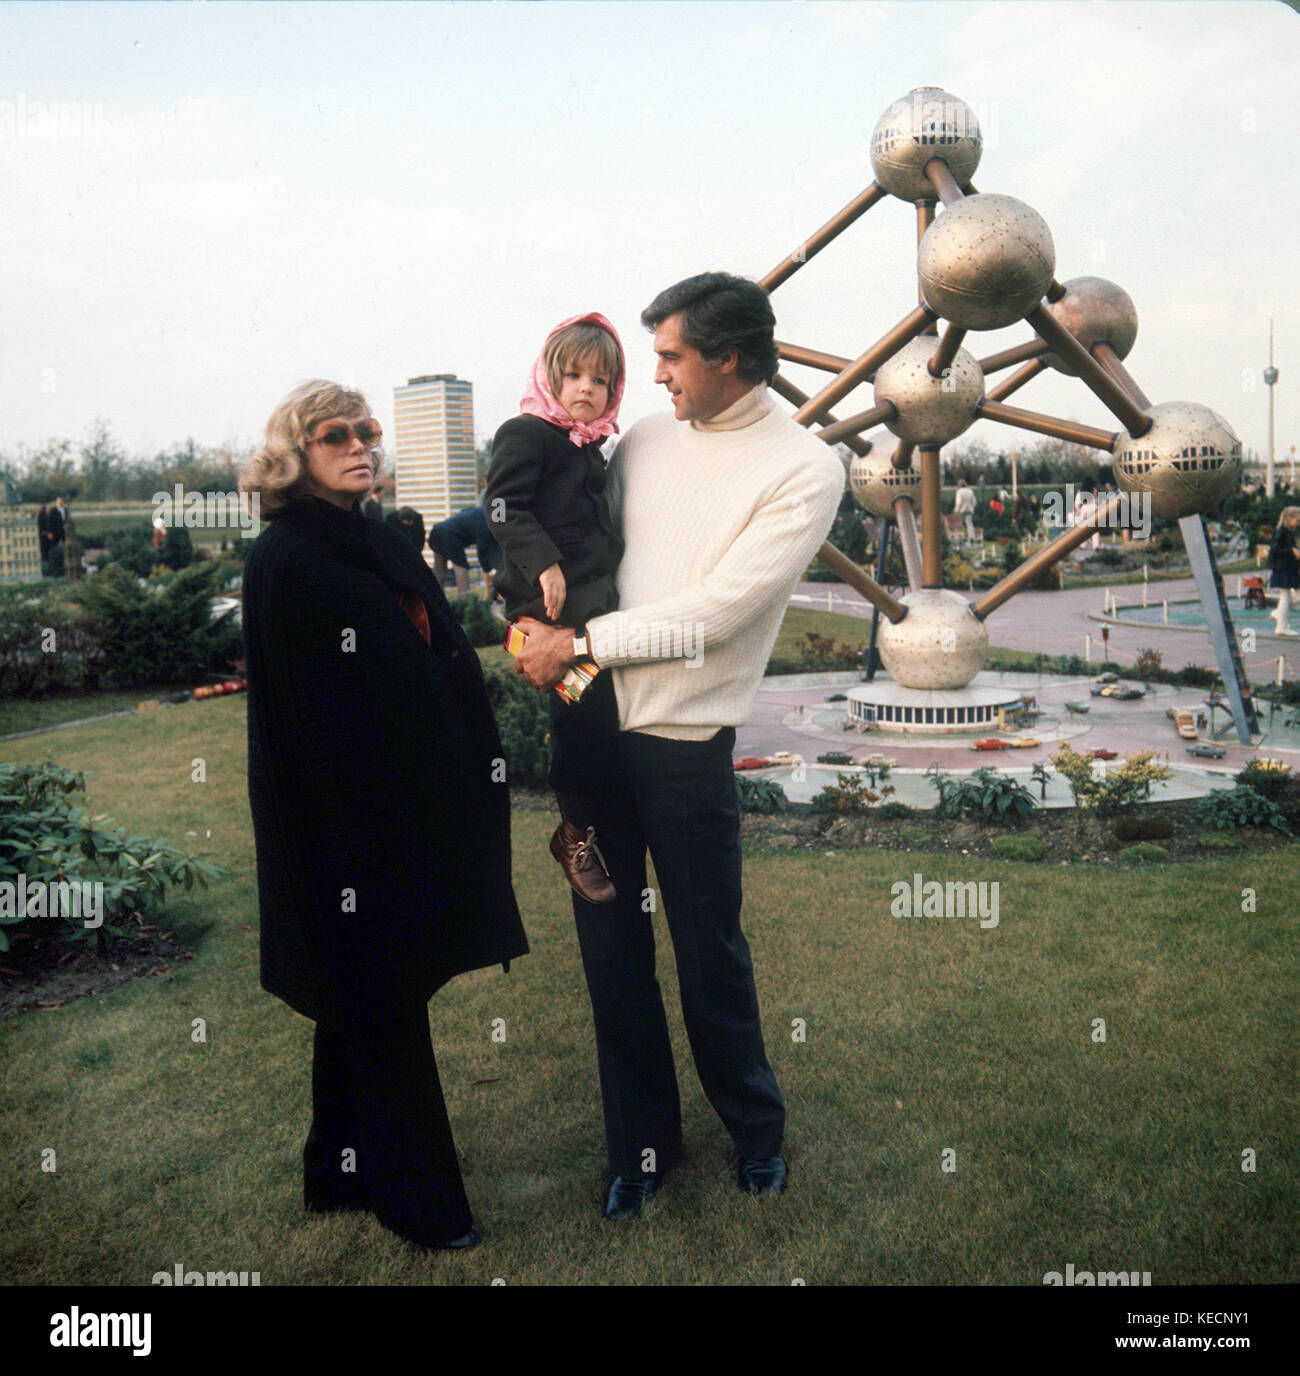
{"type": "Point", "coordinates": [627, 1196]}
{"type": "Point", "coordinates": [766, 1176]}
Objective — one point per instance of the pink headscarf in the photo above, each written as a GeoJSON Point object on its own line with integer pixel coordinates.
{"type": "Point", "coordinates": [539, 400]}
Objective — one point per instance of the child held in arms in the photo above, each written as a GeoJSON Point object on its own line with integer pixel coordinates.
{"type": "Point", "coordinates": [547, 507]}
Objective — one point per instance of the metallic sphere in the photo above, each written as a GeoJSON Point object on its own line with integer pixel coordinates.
{"type": "Point", "coordinates": [986, 262]}
{"type": "Point", "coordinates": [926, 123]}
{"type": "Point", "coordinates": [940, 643]}
{"type": "Point", "coordinates": [1189, 460]}
{"type": "Point", "coordinates": [1095, 311]}
{"type": "Point", "coordinates": [877, 484]}
{"type": "Point", "coordinates": [931, 410]}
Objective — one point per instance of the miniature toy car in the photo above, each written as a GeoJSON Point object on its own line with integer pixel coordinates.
{"type": "Point", "coordinates": [837, 697]}
{"type": "Point", "coordinates": [785, 758]}
{"type": "Point", "coordinates": [1104, 754]}
{"type": "Point", "coordinates": [1209, 752]}
{"type": "Point", "coordinates": [835, 757]}
{"type": "Point", "coordinates": [1125, 692]}
{"type": "Point", "coordinates": [1077, 708]}
{"type": "Point", "coordinates": [992, 743]}
{"type": "Point", "coordinates": [1185, 722]}
{"type": "Point", "coordinates": [751, 762]}
{"type": "Point", "coordinates": [1024, 742]}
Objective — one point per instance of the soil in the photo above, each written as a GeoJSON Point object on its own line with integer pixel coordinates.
{"type": "Point", "coordinates": [1070, 835]}
{"type": "Point", "coordinates": [35, 974]}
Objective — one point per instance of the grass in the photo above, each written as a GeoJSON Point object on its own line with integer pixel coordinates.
{"type": "Point", "coordinates": [922, 1035]}
{"type": "Point", "coordinates": [32, 714]}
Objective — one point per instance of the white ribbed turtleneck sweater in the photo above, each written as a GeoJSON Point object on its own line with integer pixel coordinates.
{"type": "Point", "coordinates": [720, 518]}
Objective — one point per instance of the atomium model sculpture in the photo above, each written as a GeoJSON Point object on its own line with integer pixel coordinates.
{"type": "Point", "coordinates": [983, 263]}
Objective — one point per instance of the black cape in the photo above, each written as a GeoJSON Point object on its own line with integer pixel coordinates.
{"type": "Point", "coordinates": [376, 777]}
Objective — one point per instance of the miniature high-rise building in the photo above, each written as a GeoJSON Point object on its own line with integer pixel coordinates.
{"type": "Point", "coordinates": [434, 446]}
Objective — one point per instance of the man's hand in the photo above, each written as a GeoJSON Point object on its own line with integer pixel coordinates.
{"type": "Point", "coordinates": [554, 590]}
{"type": "Point", "coordinates": [546, 655]}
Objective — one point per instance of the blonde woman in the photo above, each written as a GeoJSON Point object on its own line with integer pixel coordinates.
{"type": "Point", "coordinates": [382, 826]}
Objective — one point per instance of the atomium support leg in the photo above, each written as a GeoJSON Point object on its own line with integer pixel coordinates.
{"type": "Point", "coordinates": [873, 663]}
{"type": "Point", "coordinates": [1218, 618]}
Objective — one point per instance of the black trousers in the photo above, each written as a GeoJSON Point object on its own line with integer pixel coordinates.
{"type": "Point", "coordinates": [377, 1106]}
{"type": "Point", "coordinates": [584, 738]}
{"type": "Point", "coordinates": [676, 799]}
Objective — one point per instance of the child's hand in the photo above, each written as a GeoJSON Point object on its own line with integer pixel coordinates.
{"type": "Point", "coordinates": [554, 590]}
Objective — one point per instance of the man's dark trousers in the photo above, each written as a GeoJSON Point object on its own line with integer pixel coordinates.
{"type": "Point", "coordinates": [678, 799]}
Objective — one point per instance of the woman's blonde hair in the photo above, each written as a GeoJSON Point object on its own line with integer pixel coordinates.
{"type": "Point", "coordinates": [575, 344]}
{"type": "Point", "coordinates": [277, 473]}
{"type": "Point", "coordinates": [1287, 512]}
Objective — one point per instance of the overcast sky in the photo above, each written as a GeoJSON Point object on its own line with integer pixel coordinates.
{"type": "Point", "coordinates": [234, 197]}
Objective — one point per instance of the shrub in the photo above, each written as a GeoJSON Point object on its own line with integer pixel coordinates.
{"type": "Point", "coordinates": [524, 725]}
{"type": "Point", "coordinates": [1240, 807]}
{"type": "Point", "coordinates": [1218, 840]}
{"type": "Point", "coordinates": [985, 793]}
{"type": "Point", "coordinates": [162, 635]}
{"type": "Point", "coordinates": [916, 836]}
{"type": "Point", "coordinates": [1148, 663]}
{"type": "Point", "coordinates": [45, 646]}
{"type": "Point", "coordinates": [132, 547]}
{"type": "Point", "coordinates": [1143, 829]}
{"type": "Point", "coordinates": [764, 796]}
{"type": "Point", "coordinates": [849, 793]}
{"type": "Point", "coordinates": [1144, 853]}
{"type": "Point", "coordinates": [1019, 847]}
{"type": "Point", "coordinates": [1120, 788]}
{"type": "Point", "coordinates": [893, 811]}
{"type": "Point", "coordinates": [1270, 778]}
{"type": "Point", "coordinates": [46, 836]}
{"type": "Point", "coordinates": [821, 652]}
{"type": "Point", "coordinates": [477, 621]}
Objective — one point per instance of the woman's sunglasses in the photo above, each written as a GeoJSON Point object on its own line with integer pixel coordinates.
{"type": "Point", "coordinates": [368, 432]}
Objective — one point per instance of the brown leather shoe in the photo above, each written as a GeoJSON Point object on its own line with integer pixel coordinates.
{"type": "Point", "coordinates": [582, 862]}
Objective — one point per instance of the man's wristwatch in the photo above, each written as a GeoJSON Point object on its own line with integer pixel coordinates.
{"type": "Point", "coordinates": [580, 650]}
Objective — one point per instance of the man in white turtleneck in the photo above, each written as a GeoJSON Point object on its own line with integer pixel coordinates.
{"type": "Point", "coordinates": [720, 516]}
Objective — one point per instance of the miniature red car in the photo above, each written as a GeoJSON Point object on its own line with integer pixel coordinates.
{"type": "Point", "coordinates": [992, 743]}
{"type": "Point", "coordinates": [1104, 754]}
{"type": "Point", "coordinates": [751, 762]}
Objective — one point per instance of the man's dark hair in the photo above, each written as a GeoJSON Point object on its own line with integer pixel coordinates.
{"type": "Point", "coordinates": [721, 312]}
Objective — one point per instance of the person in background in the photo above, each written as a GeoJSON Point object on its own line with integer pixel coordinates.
{"type": "Point", "coordinates": [1284, 563]}
{"type": "Point", "coordinates": [373, 507]}
{"type": "Point", "coordinates": [450, 540]}
{"type": "Point", "coordinates": [381, 823]}
{"type": "Point", "coordinates": [410, 523]}
{"type": "Point", "coordinates": [964, 506]}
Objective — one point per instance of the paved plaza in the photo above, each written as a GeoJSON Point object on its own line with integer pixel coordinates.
{"type": "Point", "coordinates": [794, 714]}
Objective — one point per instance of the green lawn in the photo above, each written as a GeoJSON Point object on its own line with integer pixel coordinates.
{"type": "Point", "coordinates": [921, 1035]}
